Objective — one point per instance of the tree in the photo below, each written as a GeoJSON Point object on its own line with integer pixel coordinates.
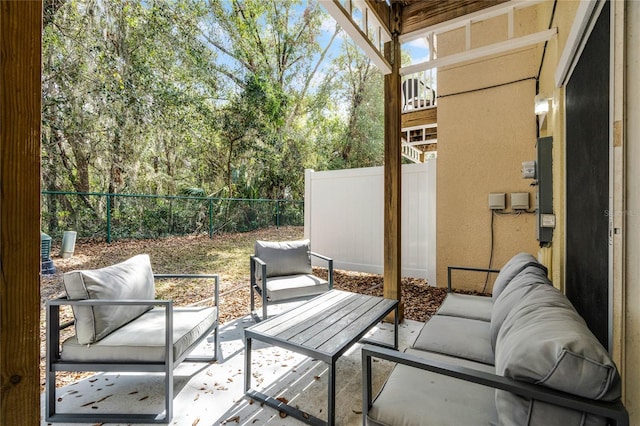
{"type": "Point", "coordinates": [157, 96]}
{"type": "Point", "coordinates": [357, 86]}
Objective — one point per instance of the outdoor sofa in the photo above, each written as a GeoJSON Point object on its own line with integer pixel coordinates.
{"type": "Point", "coordinates": [120, 326]}
{"type": "Point", "coordinates": [520, 357]}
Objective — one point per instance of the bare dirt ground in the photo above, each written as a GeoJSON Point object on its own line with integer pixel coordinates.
{"type": "Point", "coordinates": [226, 255]}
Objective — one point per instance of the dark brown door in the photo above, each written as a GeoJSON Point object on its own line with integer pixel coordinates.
{"type": "Point", "coordinates": [587, 192]}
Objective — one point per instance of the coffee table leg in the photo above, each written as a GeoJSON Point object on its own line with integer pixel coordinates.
{"type": "Point", "coordinates": [331, 397]}
{"type": "Point", "coordinates": [247, 364]}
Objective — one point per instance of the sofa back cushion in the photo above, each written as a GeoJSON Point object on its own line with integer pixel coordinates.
{"type": "Point", "coordinates": [530, 277]}
{"type": "Point", "coordinates": [511, 269]}
{"type": "Point", "coordinates": [284, 257]}
{"type": "Point", "coordinates": [131, 279]}
{"type": "Point", "coordinates": [543, 340]}
{"type": "Point", "coordinates": [513, 409]}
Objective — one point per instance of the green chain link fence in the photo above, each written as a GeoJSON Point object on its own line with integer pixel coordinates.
{"type": "Point", "coordinates": [138, 216]}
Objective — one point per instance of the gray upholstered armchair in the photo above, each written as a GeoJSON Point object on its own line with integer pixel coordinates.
{"type": "Point", "coordinates": [121, 326]}
{"type": "Point", "coordinates": [282, 271]}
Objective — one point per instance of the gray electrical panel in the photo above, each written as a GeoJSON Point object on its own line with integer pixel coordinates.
{"type": "Point", "coordinates": [545, 218]}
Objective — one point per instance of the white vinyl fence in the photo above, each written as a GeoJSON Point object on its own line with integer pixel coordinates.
{"type": "Point", "coordinates": [344, 214]}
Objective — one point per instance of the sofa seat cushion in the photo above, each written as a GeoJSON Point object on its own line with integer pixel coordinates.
{"type": "Point", "coordinates": [284, 257]}
{"type": "Point", "coordinates": [420, 398]}
{"type": "Point", "coordinates": [292, 286]}
{"type": "Point", "coordinates": [467, 306]}
{"type": "Point", "coordinates": [458, 337]}
{"type": "Point", "coordinates": [545, 341]}
{"type": "Point", "coordinates": [131, 279]}
{"type": "Point", "coordinates": [142, 340]}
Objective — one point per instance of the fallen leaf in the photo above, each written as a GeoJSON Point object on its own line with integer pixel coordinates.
{"type": "Point", "coordinates": [421, 300]}
{"type": "Point", "coordinates": [235, 419]}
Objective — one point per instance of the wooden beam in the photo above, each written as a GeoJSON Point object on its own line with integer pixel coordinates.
{"type": "Point", "coordinates": [382, 12]}
{"type": "Point", "coordinates": [20, 109]}
{"type": "Point", "coordinates": [392, 174]}
{"type": "Point", "coordinates": [422, 14]}
{"type": "Point", "coordinates": [419, 118]}
{"type": "Point", "coordinates": [344, 19]}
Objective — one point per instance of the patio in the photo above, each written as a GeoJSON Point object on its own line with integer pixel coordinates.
{"type": "Point", "coordinates": [212, 394]}
{"type": "Point", "coordinates": [508, 90]}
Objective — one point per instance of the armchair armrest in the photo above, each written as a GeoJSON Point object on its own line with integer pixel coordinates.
{"type": "Point", "coordinates": [465, 268]}
{"type": "Point", "coordinates": [54, 327]}
{"type": "Point", "coordinates": [612, 410]}
{"type": "Point", "coordinates": [257, 262]}
{"type": "Point", "coordinates": [329, 266]}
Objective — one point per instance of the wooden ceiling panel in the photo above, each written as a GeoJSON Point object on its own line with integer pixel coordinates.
{"type": "Point", "coordinates": [419, 14]}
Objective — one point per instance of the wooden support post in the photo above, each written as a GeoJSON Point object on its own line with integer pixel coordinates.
{"type": "Point", "coordinates": [20, 109]}
{"type": "Point", "coordinates": [392, 169]}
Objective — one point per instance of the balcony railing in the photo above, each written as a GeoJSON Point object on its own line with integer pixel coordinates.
{"type": "Point", "coordinates": [418, 91]}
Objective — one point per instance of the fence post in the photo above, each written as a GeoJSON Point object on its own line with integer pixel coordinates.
{"type": "Point", "coordinates": [278, 214]}
{"type": "Point", "coordinates": [108, 219]}
{"type": "Point", "coordinates": [210, 217]}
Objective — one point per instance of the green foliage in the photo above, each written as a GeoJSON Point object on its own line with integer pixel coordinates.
{"type": "Point", "coordinates": [224, 96]}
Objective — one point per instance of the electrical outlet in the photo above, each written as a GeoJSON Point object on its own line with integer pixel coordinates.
{"type": "Point", "coordinates": [497, 200]}
{"type": "Point", "coordinates": [520, 200]}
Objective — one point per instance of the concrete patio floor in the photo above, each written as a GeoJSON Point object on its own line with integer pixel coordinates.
{"type": "Point", "coordinates": [213, 394]}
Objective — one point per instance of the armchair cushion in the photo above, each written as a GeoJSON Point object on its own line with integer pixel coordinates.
{"type": "Point", "coordinates": [284, 257]}
{"type": "Point", "coordinates": [143, 340]}
{"type": "Point", "coordinates": [131, 279]}
{"type": "Point", "coordinates": [293, 286]}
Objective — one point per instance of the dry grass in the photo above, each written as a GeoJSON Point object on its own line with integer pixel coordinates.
{"type": "Point", "coordinates": [226, 255]}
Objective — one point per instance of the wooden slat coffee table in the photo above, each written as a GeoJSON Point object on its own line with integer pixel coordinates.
{"type": "Point", "coordinates": [322, 328]}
